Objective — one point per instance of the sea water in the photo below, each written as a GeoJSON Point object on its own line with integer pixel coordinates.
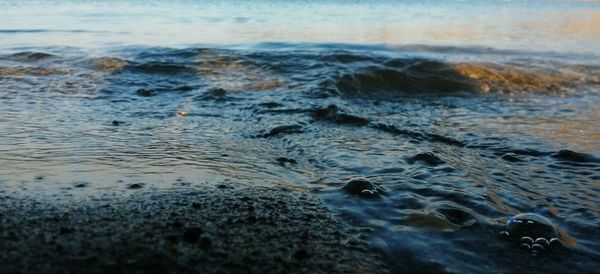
{"type": "Point", "coordinates": [465, 112]}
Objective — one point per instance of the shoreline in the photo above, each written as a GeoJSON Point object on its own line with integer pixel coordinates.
{"type": "Point", "coordinates": [206, 230]}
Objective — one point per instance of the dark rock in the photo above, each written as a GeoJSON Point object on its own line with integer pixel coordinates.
{"type": "Point", "coordinates": [333, 114]}
{"type": "Point", "coordinates": [80, 184]}
{"type": "Point", "coordinates": [511, 157]}
{"type": "Point", "coordinates": [215, 94]}
{"type": "Point", "coordinates": [145, 92]}
{"type": "Point", "coordinates": [428, 157]}
{"type": "Point", "coordinates": [285, 129]}
{"type": "Point", "coordinates": [283, 160]}
{"type": "Point", "coordinates": [568, 155]}
{"type": "Point", "coordinates": [135, 186]}
{"type": "Point", "coordinates": [191, 234]}
{"type": "Point", "coordinates": [218, 92]}
{"type": "Point", "coordinates": [363, 187]}
{"type": "Point", "coordinates": [271, 105]}
{"type": "Point", "coordinates": [184, 88]}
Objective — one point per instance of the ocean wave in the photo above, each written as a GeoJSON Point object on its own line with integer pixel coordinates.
{"type": "Point", "coordinates": [409, 76]}
{"type": "Point", "coordinates": [343, 73]}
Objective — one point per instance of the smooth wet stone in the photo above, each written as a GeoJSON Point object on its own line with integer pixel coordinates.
{"type": "Point", "coordinates": [363, 187]}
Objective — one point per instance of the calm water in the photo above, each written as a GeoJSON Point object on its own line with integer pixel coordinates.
{"type": "Point", "coordinates": [309, 95]}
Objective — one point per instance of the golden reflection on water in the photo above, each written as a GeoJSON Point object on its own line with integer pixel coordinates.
{"type": "Point", "coordinates": [580, 133]}
{"type": "Point", "coordinates": [234, 74]}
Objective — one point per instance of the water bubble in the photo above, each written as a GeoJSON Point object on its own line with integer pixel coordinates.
{"type": "Point", "coordinates": [527, 240]}
{"type": "Point", "coordinates": [542, 241]}
{"type": "Point", "coordinates": [526, 227]}
{"type": "Point", "coordinates": [537, 247]}
{"type": "Point", "coordinates": [530, 225]}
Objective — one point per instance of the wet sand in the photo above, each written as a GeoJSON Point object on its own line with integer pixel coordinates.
{"type": "Point", "coordinates": [213, 229]}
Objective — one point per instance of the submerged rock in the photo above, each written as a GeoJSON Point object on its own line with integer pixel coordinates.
{"type": "Point", "coordinates": [533, 232]}
{"type": "Point", "coordinates": [334, 114]}
{"type": "Point", "coordinates": [511, 157]}
{"type": "Point", "coordinates": [362, 187]}
{"type": "Point", "coordinates": [145, 92]}
{"type": "Point", "coordinates": [572, 156]}
{"type": "Point", "coordinates": [283, 160]}
{"type": "Point", "coordinates": [284, 129]}
{"type": "Point", "coordinates": [427, 157]}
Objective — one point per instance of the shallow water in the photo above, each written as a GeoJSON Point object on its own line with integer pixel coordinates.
{"type": "Point", "coordinates": [80, 102]}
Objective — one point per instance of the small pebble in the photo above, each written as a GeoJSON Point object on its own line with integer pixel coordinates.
{"type": "Point", "coordinates": [80, 185]}
{"type": "Point", "coordinates": [135, 186]}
